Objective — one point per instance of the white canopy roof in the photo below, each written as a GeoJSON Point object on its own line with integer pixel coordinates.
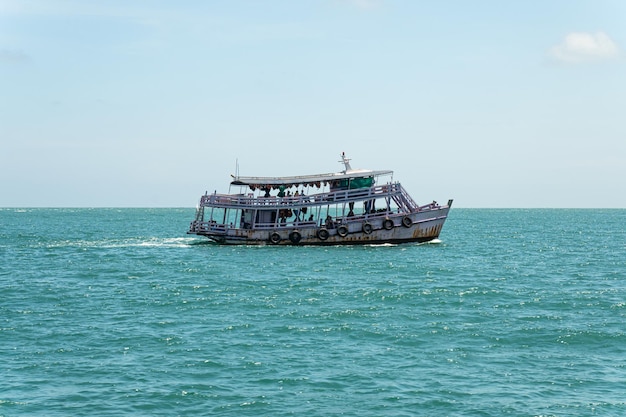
{"type": "Point", "coordinates": [307, 179]}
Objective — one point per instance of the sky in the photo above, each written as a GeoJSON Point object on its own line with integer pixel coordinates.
{"type": "Point", "coordinates": [134, 103]}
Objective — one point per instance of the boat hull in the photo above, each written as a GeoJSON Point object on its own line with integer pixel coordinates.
{"type": "Point", "coordinates": [420, 227]}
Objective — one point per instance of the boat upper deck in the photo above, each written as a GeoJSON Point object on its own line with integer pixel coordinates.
{"type": "Point", "coordinates": [394, 191]}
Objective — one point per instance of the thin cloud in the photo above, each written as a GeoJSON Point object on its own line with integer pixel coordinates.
{"type": "Point", "coordinates": [79, 8]}
{"type": "Point", "coordinates": [365, 4]}
{"type": "Point", "coordinates": [9, 56]}
{"type": "Point", "coordinates": [580, 47]}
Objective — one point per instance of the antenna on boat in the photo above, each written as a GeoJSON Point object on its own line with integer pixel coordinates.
{"type": "Point", "coordinates": [346, 162]}
{"type": "Point", "coordinates": [236, 167]}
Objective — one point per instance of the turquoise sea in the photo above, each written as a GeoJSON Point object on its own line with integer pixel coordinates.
{"type": "Point", "coordinates": [113, 312]}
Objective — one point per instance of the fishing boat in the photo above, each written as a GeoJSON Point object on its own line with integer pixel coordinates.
{"type": "Point", "coordinates": [351, 207]}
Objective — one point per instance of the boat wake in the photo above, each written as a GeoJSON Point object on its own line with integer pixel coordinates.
{"type": "Point", "coordinates": [175, 242]}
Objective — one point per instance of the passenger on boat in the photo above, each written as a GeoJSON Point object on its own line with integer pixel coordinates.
{"type": "Point", "coordinates": [296, 211]}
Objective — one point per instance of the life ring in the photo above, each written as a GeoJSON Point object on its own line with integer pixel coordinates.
{"type": "Point", "coordinates": [295, 237]}
{"type": "Point", "coordinates": [274, 238]}
{"type": "Point", "coordinates": [388, 224]}
{"type": "Point", "coordinates": [406, 221]}
{"type": "Point", "coordinates": [367, 228]}
{"type": "Point", "coordinates": [323, 234]}
{"type": "Point", "coordinates": [342, 230]}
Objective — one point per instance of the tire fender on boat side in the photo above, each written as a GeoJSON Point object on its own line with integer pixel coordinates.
{"type": "Point", "coordinates": [406, 221]}
{"type": "Point", "coordinates": [323, 234]}
{"type": "Point", "coordinates": [274, 238]}
{"type": "Point", "coordinates": [295, 237]}
{"type": "Point", "coordinates": [388, 224]}
{"type": "Point", "coordinates": [342, 230]}
{"type": "Point", "coordinates": [367, 228]}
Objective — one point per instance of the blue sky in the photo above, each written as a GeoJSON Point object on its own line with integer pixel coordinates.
{"type": "Point", "coordinates": [150, 103]}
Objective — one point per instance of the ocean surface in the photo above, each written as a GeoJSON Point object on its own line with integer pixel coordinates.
{"type": "Point", "coordinates": [117, 312]}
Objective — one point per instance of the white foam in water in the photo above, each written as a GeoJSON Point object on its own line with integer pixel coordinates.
{"type": "Point", "coordinates": [176, 242]}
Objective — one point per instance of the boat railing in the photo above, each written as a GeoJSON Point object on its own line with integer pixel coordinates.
{"type": "Point", "coordinates": [207, 227]}
{"type": "Point", "coordinates": [293, 224]}
{"type": "Point", "coordinates": [430, 206]}
{"type": "Point", "coordinates": [411, 205]}
{"type": "Point", "coordinates": [249, 200]}
{"type": "Point", "coordinates": [212, 227]}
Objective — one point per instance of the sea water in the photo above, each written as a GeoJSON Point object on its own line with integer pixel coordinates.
{"type": "Point", "coordinates": [114, 312]}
